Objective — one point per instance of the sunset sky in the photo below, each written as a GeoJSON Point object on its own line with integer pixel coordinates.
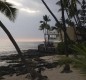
{"type": "Point", "coordinates": [29, 14]}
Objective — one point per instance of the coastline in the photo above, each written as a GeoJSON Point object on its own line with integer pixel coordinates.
{"type": "Point", "coordinates": [53, 73]}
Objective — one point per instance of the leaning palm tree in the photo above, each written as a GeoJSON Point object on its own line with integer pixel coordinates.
{"type": "Point", "coordinates": [57, 21]}
{"type": "Point", "coordinates": [10, 12]}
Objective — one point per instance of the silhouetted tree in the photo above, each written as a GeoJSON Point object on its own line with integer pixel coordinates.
{"type": "Point", "coordinates": [82, 28]}
{"type": "Point", "coordinates": [55, 18]}
{"type": "Point", "coordinates": [10, 12]}
{"type": "Point", "coordinates": [45, 26]}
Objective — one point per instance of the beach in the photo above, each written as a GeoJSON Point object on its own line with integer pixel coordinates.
{"type": "Point", "coordinates": [53, 73]}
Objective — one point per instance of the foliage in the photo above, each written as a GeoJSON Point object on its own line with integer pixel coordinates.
{"type": "Point", "coordinates": [8, 10]}
{"type": "Point", "coordinates": [45, 27]}
{"type": "Point", "coordinates": [73, 18]}
{"type": "Point", "coordinates": [77, 60]}
{"type": "Point", "coordinates": [61, 47]}
{"type": "Point", "coordinates": [83, 13]}
{"type": "Point", "coordinates": [80, 57]}
{"type": "Point", "coordinates": [44, 24]}
{"type": "Point", "coordinates": [64, 60]}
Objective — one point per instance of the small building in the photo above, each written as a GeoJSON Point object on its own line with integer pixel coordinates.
{"type": "Point", "coordinates": [53, 37]}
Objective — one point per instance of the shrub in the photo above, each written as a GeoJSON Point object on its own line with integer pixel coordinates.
{"type": "Point", "coordinates": [61, 47]}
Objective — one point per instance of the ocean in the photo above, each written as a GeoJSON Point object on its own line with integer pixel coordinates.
{"type": "Point", "coordinates": [7, 48]}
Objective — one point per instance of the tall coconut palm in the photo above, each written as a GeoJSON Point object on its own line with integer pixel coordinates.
{"type": "Point", "coordinates": [10, 12]}
{"type": "Point", "coordinates": [67, 67]}
{"type": "Point", "coordinates": [55, 18]}
{"type": "Point", "coordinates": [70, 7]}
{"type": "Point", "coordinates": [45, 26]}
{"type": "Point", "coordinates": [59, 30]}
{"type": "Point", "coordinates": [64, 25]}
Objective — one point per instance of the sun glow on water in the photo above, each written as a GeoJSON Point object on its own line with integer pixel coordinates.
{"type": "Point", "coordinates": [24, 44]}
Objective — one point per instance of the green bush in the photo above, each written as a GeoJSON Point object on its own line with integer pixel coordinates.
{"type": "Point", "coordinates": [80, 59]}
{"type": "Point", "coordinates": [61, 47]}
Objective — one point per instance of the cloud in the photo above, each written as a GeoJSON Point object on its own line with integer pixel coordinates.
{"type": "Point", "coordinates": [15, 3]}
{"type": "Point", "coordinates": [29, 10]}
{"type": "Point", "coordinates": [22, 7]}
{"type": "Point", "coordinates": [27, 23]}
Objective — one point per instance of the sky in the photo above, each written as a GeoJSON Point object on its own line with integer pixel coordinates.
{"type": "Point", "coordinates": [29, 15]}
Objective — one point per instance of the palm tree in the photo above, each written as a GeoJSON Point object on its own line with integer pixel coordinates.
{"type": "Point", "coordinates": [70, 7]}
{"type": "Point", "coordinates": [45, 26]}
{"type": "Point", "coordinates": [10, 13]}
{"type": "Point", "coordinates": [67, 67]}
{"type": "Point", "coordinates": [64, 24]}
{"type": "Point", "coordinates": [41, 27]}
{"type": "Point", "coordinates": [59, 30]}
{"type": "Point", "coordinates": [55, 18]}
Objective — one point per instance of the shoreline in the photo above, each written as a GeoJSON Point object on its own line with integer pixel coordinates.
{"type": "Point", "coordinates": [53, 73]}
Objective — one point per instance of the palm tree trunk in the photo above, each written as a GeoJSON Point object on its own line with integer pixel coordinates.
{"type": "Point", "coordinates": [44, 39]}
{"type": "Point", "coordinates": [54, 17]}
{"type": "Point", "coordinates": [48, 35]}
{"type": "Point", "coordinates": [29, 69]}
{"type": "Point", "coordinates": [67, 66]}
{"type": "Point", "coordinates": [12, 40]}
{"type": "Point", "coordinates": [75, 22]}
{"type": "Point", "coordinates": [50, 12]}
{"type": "Point", "coordinates": [64, 27]}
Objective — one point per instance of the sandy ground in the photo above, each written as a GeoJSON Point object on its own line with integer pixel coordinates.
{"type": "Point", "coordinates": [14, 77]}
{"type": "Point", "coordinates": [53, 74]}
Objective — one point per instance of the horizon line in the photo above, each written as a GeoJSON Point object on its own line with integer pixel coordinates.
{"type": "Point", "coordinates": [24, 40]}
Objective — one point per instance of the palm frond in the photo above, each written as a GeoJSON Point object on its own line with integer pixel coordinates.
{"type": "Point", "coordinates": [41, 27]}
{"type": "Point", "coordinates": [8, 10]}
{"type": "Point", "coordinates": [79, 2]}
{"type": "Point", "coordinates": [46, 18]}
{"type": "Point", "coordinates": [80, 49]}
{"type": "Point", "coordinates": [41, 21]}
{"type": "Point", "coordinates": [58, 3]}
{"type": "Point", "coordinates": [70, 22]}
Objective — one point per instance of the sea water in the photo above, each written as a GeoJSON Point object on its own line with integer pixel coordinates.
{"type": "Point", "coordinates": [7, 48]}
